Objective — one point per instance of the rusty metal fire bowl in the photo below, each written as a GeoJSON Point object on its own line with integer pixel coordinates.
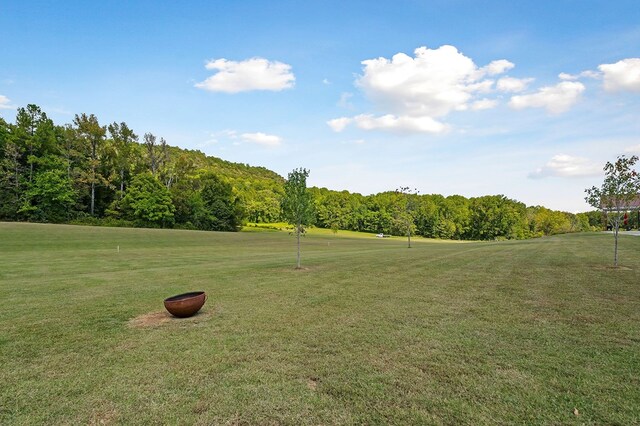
{"type": "Point", "coordinates": [186, 304]}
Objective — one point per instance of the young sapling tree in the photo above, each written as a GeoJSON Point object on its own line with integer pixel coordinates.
{"type": "Point", "coordinates": [621, 186]}
{"type": "Point", "coordinates": [297, 204]}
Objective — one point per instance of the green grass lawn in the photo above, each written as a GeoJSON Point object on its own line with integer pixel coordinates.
{"type": "Point", "coordinates": [370, 332]}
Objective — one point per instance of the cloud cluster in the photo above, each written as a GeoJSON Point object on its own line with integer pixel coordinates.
{"type": "Point", "coordinates": [555, 99]}
{"type": "Point", "coordinates": [247, 75]}
{"type": "Point", "coordinates": [262, 139]}
{"type": "Point", "coordinates": [433, 83]}
{"type": "Point", "coordinates": [390, 122]}
{"type": "Point", "coordinates": [414, 94]}
{"type": "Point", "coordinates": [416, 91]}
{"type": "Point", "coordinates": [623, 75]}
{"type": "Point", "coordinates": [258, 138]}
{"type": "Point", "coordinates": [563, 165]}
{"type": "Point", "coordinates": [513, 85]}
{"type": "Point", "coordinates": [4, 102]}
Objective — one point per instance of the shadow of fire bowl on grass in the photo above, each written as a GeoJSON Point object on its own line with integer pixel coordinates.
{"type": "Point", "coordinates": [612, 268]}
{"type": "Point", "coordinates": [164, 318]}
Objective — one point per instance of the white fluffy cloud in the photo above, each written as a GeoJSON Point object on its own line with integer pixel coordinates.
{"type": "Point", "coordinates": [573, 77]}
{"type": "Point", "coordinates": [262, 139]}
{"type": "Point", "coordinates": [621, 76]}
{"type": "Point", "coordinates": [498, 67]}
{"type": "Point", "coordinates": [236, 138]}
{"type": "Point", "coordinates": [513, 85]}
{"type": "Point", "coordinates": [484, 104]}
{"type": "Point", "coordinates": [339, 124]}
{"type": "Point", "coordinates": [414, 91]}
{"type": "Point", "coordinates": [251, 74]}
{"type": "Point", "coordinates": [433, 83]}
{"type": "Point", "coordinates": [4, 103]}
{"type": "Point", "coordinates": [390, 122]}
{"type": "Point", "coordinates": [555, 99]}
{"type": "Point", "coordinates": [563, 165]}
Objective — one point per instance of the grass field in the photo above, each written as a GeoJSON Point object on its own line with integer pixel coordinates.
{"type": "Point", "coordinates": [527, 332]}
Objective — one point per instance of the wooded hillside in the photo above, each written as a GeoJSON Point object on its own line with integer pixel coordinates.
{"type": "Point", "coordinates": [88, 172]}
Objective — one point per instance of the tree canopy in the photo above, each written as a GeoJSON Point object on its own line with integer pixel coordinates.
{"type": "Point", "coordinates": [297, 204]}
{"type": "Point", "coordinates": [84, 172]}
{"type": "Point", "coordinates": [621, 186]}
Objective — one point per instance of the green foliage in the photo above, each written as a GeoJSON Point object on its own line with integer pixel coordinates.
{"type": "Point", "coordinates": [582, 222]}
{"type": "Point", "coordinates": [12, 177]}
{"type": "Point", "coordinates": [5, 130]}
{"type": "Point", "coordinates": [621, 186]}
{"type": "Point", "coordinates": [148, 202]}
{"type": "Point", "coordinates": [404, 211]}
{"type": "Point", "coordinates": [102, 169]}
{"type": "Point", "coordinates": [222, 210]}
{"type": "Point", "coordinates": [49, 197]}
{"type": "Point", "coordinates": [297, 203]}
{"type": "Point", "coordinates": [90, 136]}
{"type": "Point", "coordinates": [121, 150]}
{"type": "Point", "coordinates": [596, 219]}
{"type": "Point", "coordinates": [190, 212]}
{"type": "Point", "coordinates": [337, 210]}
{"type": "Point", "coordinates": [550, 222]}
{"type": "Point", "coordinates": [497, 217]}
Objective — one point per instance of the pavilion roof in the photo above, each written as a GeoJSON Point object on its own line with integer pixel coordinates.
{"type": "Point", "coordinates": [634, 204]}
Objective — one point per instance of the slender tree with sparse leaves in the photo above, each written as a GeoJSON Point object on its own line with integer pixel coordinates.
{"type": "Point", "coordinates": [297, 204]}
{"type": "Point", "coordinates": [620, 187]}
{"type": "Point", "coordinates": [92, 137]}
{"type": "Point", "coordinates": [405, 210]}
{"type": "Point", "coordinates": [123, 138]}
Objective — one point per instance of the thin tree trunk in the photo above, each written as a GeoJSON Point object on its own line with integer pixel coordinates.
{"type": "Point", "coordinates": [121, 183]}
{"type": "Point", "coordinates": [94, 144]}
{"type": "Point", "coordinates": [93, 196]}
{"type": "Point", "coordinates": [615, 251]}
{"type": "Point", "coordinates": [298, 236]}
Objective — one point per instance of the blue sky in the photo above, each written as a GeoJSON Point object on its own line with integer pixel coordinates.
{"type": "Point", "coordinates": [528, 99]}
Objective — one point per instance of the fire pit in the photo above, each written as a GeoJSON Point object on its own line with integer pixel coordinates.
{"type": "Point", "coordinates": [186, 304]}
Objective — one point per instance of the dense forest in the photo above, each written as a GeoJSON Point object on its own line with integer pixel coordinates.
{"type": "Point", "coordinates": [89, 173]}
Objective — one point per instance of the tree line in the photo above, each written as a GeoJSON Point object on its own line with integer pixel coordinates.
{"type": "Point", "coordinates": [88, 172]}
{"type": "Point", "coordinates": [435, 216]}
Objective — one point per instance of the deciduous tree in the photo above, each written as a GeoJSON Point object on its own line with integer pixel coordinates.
{"type": "Point", "coordinates": [152, 152]}
{"type": "Point", "coordinates": [405, 209]}
{"type": "Point", "coordinates": [222, 207]}
{"type": "Point", "coordinates": [148, 202]}
{"type": "Point", "coordinates": [27, 122]}
{"type": "Point", "coordinates": [621, 186]}
{"type": "Point", "coordinates": [91, 135]}
{"type": "Point", "coordinates": [123, 138]}
{"type": "Point", "coordinates": [297, 204]}
{"type": "Point", "coordinates": [49, 198]}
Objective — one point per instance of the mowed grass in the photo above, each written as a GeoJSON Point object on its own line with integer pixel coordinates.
{"type": "Point", "coordinates": [526, 332]}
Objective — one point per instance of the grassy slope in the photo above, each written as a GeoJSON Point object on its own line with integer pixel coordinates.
{"type": "Point", "coordinates": [371, 332]}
